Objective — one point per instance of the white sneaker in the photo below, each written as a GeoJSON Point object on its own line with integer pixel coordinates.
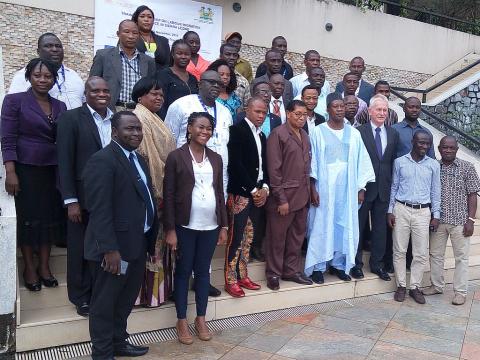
{"type": "Point", "coordinates": [458, 299]}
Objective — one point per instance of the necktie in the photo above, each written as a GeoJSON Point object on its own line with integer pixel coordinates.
{"type": "Point", "coordinates": [276, 107]}
{"type": "Point", "coordinates": [145, 192]}
{"type": "Point", "coordinates": [378, 142]}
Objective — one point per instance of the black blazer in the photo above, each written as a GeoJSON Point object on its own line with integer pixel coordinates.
{"type": "Point", "coordinates": [116, 208]}
{"type": "Point", "coordinates": [319, 119]}
{"type": "Point", "coordinates": [286, 70]}
{"type": "Point", "coordinates": [77, 141]}
{"type": "Point", "coordinates": [162, 54]}
{"type": "Point", "coordinates": [274, 119]}
{"type": "Point", "coordinates": [365, 93]}
{"type": "Point", "coordinates": [178, 184]}
{"type": "Point", "coordinates": [243, 166]}
{"type": "Point", "coordinates": [383, 167]}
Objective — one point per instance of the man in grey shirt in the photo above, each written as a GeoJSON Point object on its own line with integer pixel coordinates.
{"type": "Point", "coordinates": [414, 208]}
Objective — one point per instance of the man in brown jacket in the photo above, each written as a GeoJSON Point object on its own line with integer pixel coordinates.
{"type": "Point", "coordinates": [288, 161]}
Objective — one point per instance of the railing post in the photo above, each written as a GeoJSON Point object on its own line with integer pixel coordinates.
{"type": "Point", "coordinates": [424, 98]}
{"type": "Point", "coordinates": [8, 254]}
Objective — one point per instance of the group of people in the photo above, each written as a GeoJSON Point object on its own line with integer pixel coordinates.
{"type": "Point", "coordinates": [161, 156]}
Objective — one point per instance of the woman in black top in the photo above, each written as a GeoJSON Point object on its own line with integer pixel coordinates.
{"type": "Point", "coordinates": [177, 81]}
{"type": "Point", "coordinates": [150, 43]}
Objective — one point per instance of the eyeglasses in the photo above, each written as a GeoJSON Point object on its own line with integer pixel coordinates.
{"type": "Point", "coordinates": [213, 82]}
{"type": "Point", "coordinates": [300, 114]}
{"type": "Point", "coordinates": [262, 92]}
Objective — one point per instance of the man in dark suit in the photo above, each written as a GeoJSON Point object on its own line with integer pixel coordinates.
{"type": "Point", "coordinates": [122, 66]}
{"type": "Point", "coordinates": [381, 143]}
{"type": "Point", "coordinates": [365, 89]}
{"type": "Point", "coordinates": [122, 228]}
{"type": "Point", "coordinates": [81, 132]}
{"type": "Point", "coordinates": [309, 97]}
{"type": "Point", "coordinates": [273, 60]}
{"type": "Point", "coordinates": [247, 194]}
{"type": "Point", "coordinates": [262, 89]}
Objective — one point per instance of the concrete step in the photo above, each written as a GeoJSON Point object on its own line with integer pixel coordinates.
{"type": "Point", "coordinates": [64, 326]}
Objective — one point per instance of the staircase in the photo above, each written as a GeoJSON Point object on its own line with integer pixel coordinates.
{"type": "Point", "coordinates": [452, 86]}
{"type": "Point", "coordinates": [47, 319]}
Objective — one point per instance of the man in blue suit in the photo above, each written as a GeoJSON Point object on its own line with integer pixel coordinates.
{"type": "Point", "coordinates": [365, 90]}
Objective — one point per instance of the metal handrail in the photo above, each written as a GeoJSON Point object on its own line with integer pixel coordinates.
{"type": "Point", "coordinates": [440, 83]}
{"type": "Point", "coordinates": [424, 11]}
{"type": "Point", "coordinates": [462, 133]}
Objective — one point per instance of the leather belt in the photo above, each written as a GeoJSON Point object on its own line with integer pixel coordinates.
{"type": "Point", "coordinates": [414, 206]}
{"type": "Point", "coordinates": [126, 105]}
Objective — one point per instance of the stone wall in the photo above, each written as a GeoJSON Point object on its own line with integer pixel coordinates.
{"type": "Point", "coordinates": [461, 110]}
{"type": "Point", "coordinates": [21, 26]}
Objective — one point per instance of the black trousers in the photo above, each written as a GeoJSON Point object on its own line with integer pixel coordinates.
{"type": "Point", "coordinates": [113, 297]}
{"type": "Point", "coordinates": [79, 276]}
{"type": "Point", "coordinates": [378, 236]}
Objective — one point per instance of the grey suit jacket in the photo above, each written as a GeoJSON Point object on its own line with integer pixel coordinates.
{"type": "Point", "coordinates": [287, 92]}
{"type": "Point", "coordinates": [107, 64]}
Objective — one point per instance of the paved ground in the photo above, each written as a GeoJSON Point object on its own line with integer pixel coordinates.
{"type": "Point", "coordinates": [384, 330]}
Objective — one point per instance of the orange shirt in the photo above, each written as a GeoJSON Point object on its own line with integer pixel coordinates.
{"type": "Point", "coordinates": [198, 70]}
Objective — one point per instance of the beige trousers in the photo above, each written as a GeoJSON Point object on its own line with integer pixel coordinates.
{"type": "Point", "coordinates": [461, 247]}
{"type": "Point", "coordinates": [414, 222]}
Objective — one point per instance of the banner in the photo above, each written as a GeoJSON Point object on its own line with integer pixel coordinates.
{"type": "Point", "coordinates": [172, 19]}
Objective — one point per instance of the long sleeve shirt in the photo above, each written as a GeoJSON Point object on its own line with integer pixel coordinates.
{"type": "Point", "coordinates": [416, 183]}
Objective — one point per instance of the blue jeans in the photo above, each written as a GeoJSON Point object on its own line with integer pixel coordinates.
{"type": "Point", "coordinates": [195, 249]}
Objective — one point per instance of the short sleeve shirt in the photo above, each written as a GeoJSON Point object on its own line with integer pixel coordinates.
{"type": "Point", "coordinates": [458, 180]}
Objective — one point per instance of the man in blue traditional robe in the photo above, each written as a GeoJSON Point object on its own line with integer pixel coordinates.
{"type": "Point", "coordinates": [340, 171]}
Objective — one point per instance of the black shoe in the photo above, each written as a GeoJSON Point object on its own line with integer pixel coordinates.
{"type": "Point", "coordinates": [83, 309]}
{"type": "Point", "coordinates": [257, 254]}
{"type": "Point", "coordinates": [389, 269]}
{"type": "Point", "coordinates": [357, 273]}
{"type": "Point", "coordinates": [317, 277]}
{"type": "Point", "coordinates": [128, 349]}
{"type": "Point", "coordinates": [382, 274]}
{"type": "Point", "coordinates": [273, 283]}
{"type": "Point", "coordinates": [50, 282]}
{"type": "Point", "coordinates": [340, 274]}
{"type": "Point", "coordinates": [299, 278]}
{"type": "Point", "coordinates": [36, 286]}
{"type": "Point", "coordinates": [213, 291]}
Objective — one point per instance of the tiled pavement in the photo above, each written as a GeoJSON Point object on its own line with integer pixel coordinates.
{"type": "Point", "coordinates": [384, 330]}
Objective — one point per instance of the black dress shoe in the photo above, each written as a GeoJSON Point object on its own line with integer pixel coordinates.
{"type": "Point", "coordinates": [357, 273]}
{"type": "Point", "coordinates": [382, 274]}
{"type": "Point", "coordinates": [213, 291]}
{"type": "Point", "coordinates": [298, 278]}
{"type": "Point", "coordinates": [257, 254]}
{"type": "Point", "coordinates": [83, 309]}
{"type": "Point", "coordinates": [36, 286]}
{"type": "Point", "coordinates": [317, 277]}
{"type": "Point", "coordinates": [131, 350]}
{"type": "Point", "coordinates": [340, 274]}
{"type": "Point", "coordinates": [272, 283]}
{"type": "Point", "coordinates": [50, 282]}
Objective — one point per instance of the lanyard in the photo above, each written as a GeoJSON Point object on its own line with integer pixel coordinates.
{"type": "Point", "coordinates": [129, 65]}
{"type": "Point", "coordinates": [206, 110]}
{"type": "Point", "coordinates": [59, 86]}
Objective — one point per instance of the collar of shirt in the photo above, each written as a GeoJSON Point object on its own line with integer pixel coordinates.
{"type": "Point", "coordinates": [358, 88]}
{"type": "Point", "coordinates": [375, 126]}
{"type": "Point", "coordinates": [280, 99]}
{"type": "Point", "coordinates": [455, 162]}
{"type": "Point", "coordinates": [125, 151]}
{"type": "Point", "coordinates": [409, 157]}
{"type": "Point", "coordinates": [405, 123]}
{"type": "Point", "coordinates": [253, 127]}
{"type": "Point", "coordinates": [93, 112]}
{"type": "Point", "coordinates": [121, 52]}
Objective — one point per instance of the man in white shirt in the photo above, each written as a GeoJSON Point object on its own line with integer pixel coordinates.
{"type": "Point", "coordinates": [68, 86]}
{"type": "Point", "coordinates": [312, 60]}
{"type": "Point", "coordinates": [277, 105]}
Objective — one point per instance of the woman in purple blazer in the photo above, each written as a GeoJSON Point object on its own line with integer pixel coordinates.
{"type": "Point", "coordinates": [28, 128]}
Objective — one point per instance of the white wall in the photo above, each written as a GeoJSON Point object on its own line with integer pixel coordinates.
{"type": "Point", "coordinates": [383, 40]}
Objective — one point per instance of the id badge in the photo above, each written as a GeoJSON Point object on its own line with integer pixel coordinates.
{"type": "Point", "coordinates": [150, 53]}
